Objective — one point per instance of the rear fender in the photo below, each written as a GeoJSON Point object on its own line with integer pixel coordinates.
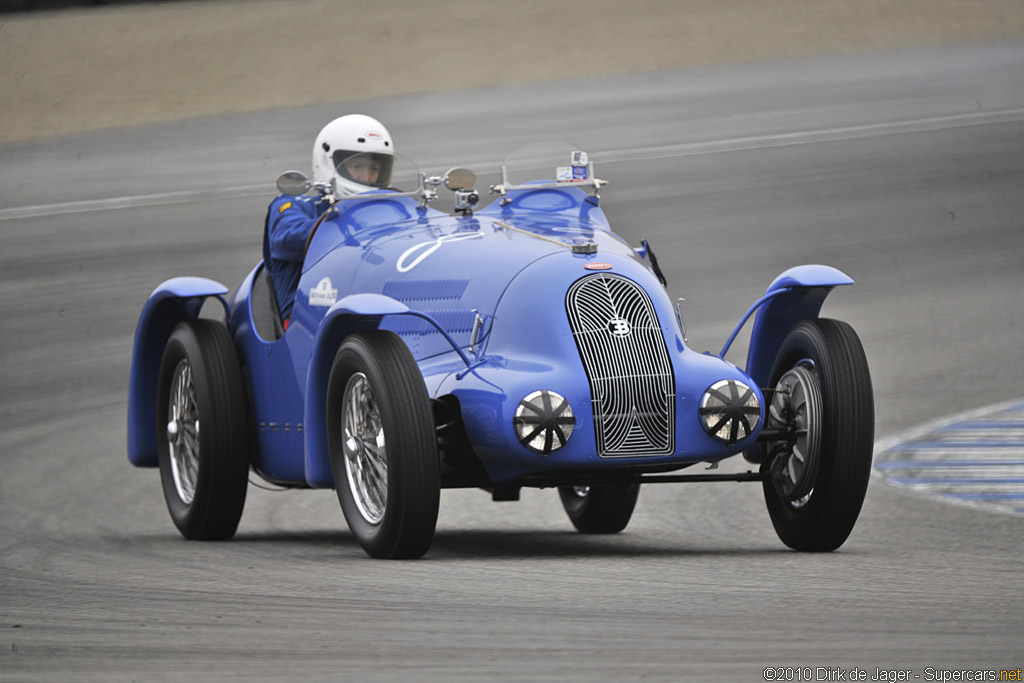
{"type": "Point", "coordinates": [795, 295]}
{"type": "Point", "coordinates": [173, 301]}
{"type": "Point", "coordinates": [354, 313]}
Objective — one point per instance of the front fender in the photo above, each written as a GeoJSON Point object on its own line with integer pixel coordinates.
{"type": "Point", "coordinates": [354, 313]}
{"type": "Point", "coordinates": [796, 295]}
{"type": "Point", "coordinates": [178, 299]}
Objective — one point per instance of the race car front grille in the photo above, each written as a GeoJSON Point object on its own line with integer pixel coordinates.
{"type": "Point", "coordinates": [632, 386]}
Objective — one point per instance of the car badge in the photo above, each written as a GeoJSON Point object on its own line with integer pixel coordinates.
{"type": "Point", "coordinates": [598, 265]}
{"type": "Point", "coordinates": [619, 327]}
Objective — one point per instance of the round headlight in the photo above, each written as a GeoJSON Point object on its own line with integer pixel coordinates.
{"type": "Point", "coordinates": [544, 421]}
{"type": "Point", "coordinates": [729, 411]}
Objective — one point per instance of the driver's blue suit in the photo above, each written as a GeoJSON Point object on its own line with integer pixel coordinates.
{"type": "Point", "coordinates": [289, 220]}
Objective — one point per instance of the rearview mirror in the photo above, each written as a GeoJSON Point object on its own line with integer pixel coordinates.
{"type": "Point", "coordinates": [293, 182]}
{"type": "Point", "coordinates": [459, 179]}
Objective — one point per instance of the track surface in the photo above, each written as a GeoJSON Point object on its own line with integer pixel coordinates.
{"type": "Point", "coordinates": [904, 170]}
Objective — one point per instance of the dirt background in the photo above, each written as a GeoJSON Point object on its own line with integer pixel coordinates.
{"type": "Point", "coordinates": [78, 70]}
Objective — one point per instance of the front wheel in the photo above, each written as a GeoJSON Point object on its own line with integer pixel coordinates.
{"type": "Point", "coordinates": [201, 431]}
{"type": "Point", "coordinates": [817, 477]}
{"type": "Point", "coordinates": [599, 509]}
{"type": "Point", "coordinates": [383, 446]}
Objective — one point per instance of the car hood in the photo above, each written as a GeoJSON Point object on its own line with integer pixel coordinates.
{"type": "Point", "coordinates": [456, 268]}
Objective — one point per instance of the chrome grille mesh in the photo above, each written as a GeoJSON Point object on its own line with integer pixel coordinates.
{"type": "Point", "coordinates": [623, 351]}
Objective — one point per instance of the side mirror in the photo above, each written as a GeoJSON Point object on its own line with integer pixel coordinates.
{"type": "Point", "coordinates": [293, 182]}
{"type": "Point", "coordinates": [459, 179]}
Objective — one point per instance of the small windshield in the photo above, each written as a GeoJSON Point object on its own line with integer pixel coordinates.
{"type": "Point", "coordinates": [548, 162]}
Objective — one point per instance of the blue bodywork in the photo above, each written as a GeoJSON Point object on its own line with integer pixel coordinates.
{"type": "Point", "coordinates": [433, 278]}
{"type": "Point", "coordinates": [177, 299]}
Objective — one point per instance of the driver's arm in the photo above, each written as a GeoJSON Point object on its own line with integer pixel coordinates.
{"type": "Point", "coordinates": [290, 221]}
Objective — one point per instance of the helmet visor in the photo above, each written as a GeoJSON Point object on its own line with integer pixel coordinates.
{"type": "Point", "coordinates": [372, 169]}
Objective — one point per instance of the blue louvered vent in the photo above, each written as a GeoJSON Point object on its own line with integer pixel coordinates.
{"type": "Point", "coordinates": [426, 290]}
{"type": "Point", "coordinates": [456, 322]}
{"type": "Point", "coordinates": [439, 297]}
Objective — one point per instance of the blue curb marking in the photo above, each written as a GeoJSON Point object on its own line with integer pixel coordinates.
{"type": "Point", "coordinates": [981, 425]}
{"type": "Point", "coordinates": [957, 445]}
{"type": "Point", "coordinates": [911, 481]}
{"type": "Point", "coordinates": [923, 464]}
{"type": "Point", "coordinates": [988, 496]}
{"type": "Point", "coordinates": [974, 458]}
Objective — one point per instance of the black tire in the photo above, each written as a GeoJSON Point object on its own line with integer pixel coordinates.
{"type": "Point", "coordinates": [822, 519]}
{"type": "Point", "coordinates": [205, 491]}
{"type": "Point", "coordinates": [599, 509]}
{"type": "Point", "coordinates": [388, 392]}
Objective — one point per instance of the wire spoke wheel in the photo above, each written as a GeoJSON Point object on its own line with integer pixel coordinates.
{"type": "Point", "coordinates": [183, 432]}
{"type": "Point", "coordinates": [383, 445]}
{"type": "Point", "coordinates": [204, 472]}
{"type": "Point", "coordinates": [366, 465]}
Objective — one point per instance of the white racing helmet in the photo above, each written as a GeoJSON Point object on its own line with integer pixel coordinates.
{"type": "Point", "coordinates": [345, 137]}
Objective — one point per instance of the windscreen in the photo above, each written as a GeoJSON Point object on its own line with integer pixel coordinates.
{"type": "Point", "coordinates": [548, 162]}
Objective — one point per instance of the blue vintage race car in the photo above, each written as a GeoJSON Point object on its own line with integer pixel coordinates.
{"type": "Point", "coordinates": [521, 344]}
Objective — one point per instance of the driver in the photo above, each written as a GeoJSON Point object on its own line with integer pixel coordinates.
{"type": "Point", "coordinates": [352, 154]}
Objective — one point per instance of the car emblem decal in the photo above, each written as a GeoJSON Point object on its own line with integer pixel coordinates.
{"type": "Point", "coordinates": [323, 294]}
{"type": "Point", "coordinates": [598, 265]}
{"type": "Point", "coordinates": [620, 327]}
{"type": "Point", "coordinates": [425, 249]}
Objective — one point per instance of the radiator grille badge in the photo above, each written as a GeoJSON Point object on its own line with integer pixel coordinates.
{"type": "Point", "coordinates": [620, 327]}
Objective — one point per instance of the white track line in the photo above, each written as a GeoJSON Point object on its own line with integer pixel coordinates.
{"type": "Point", "coordinates": [823, 135]}
{"type": "Point", "coordinates": [132, 201]}
{"type": "Point", "coordinates": [755, 142]}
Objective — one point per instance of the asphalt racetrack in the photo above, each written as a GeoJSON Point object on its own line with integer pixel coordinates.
{"type": "Point", "coordinates": [905, 170]}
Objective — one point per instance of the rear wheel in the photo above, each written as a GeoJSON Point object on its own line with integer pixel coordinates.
{"type": "Point", "coordinates": [599, 509]}
{"type": "Point", "coordinates": [817, 478]}
{"type": "Point", "coordinates": [201, 431]}
{"type": "Point", "coordinates": [383, 446]}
